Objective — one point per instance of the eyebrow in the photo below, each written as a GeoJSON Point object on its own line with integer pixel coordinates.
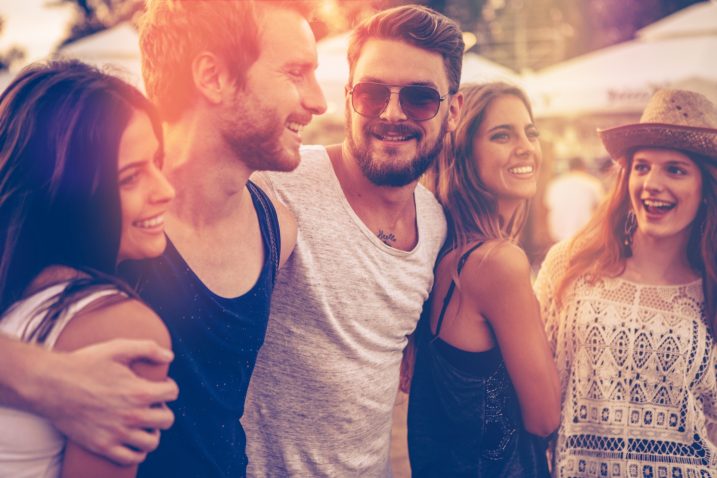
{"type": "Point", "coordinates": [510, 127]}
{"type": "Point", "coordinates": [678, 162]}
{"type": "Point", "coordinates": [672, 162]}
{"type": "Point", "coordinates": [304, 65]}
{"type": "Point", "coordinates": [133, 164]}
{"type": "Point", "coordinates": [370, 79]}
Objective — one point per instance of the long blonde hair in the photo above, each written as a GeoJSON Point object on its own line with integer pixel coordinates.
{"type": "Point", "coordinates": [471, 208]}
{"type": "Point", "coordinates": [599, 249]}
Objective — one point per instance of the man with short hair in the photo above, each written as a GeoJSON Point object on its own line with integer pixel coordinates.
{"type": "Point", "coordinates": [321, 399]}
{"type": "Point", "coordinates": [234, 82]}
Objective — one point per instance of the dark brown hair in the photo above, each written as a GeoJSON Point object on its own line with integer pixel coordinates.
{"type": "Point", "coordinates": [418, 26]}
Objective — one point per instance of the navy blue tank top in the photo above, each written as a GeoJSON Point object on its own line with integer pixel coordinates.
{"type": "Point", "coordinates": [215, 341]}
{"type": "Point", "coordinates": [463, 413]}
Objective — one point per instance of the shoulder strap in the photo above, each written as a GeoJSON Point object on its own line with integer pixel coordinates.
{"type": "Point", "coordinates": [269, 225]}
{"type": "Point", "coordinates": [451, 288]}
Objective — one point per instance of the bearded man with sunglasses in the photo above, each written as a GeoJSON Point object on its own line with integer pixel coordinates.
{"type": "Point", "coordinates": [321, 398]}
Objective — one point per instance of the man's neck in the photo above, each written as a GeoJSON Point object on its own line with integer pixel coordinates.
{"type": "Point", "coordinates": [390, 212]}
{"type": "Point", "coordinates": [208, 177]}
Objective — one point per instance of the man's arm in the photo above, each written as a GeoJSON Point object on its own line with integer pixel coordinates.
{"type": "Point", "coordinates": [91, 395]}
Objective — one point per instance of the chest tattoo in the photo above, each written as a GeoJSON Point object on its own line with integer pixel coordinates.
{"type": "Point", "coordinates": [388, 238]}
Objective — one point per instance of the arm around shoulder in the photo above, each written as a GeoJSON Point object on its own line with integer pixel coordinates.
{"type": "Point", "coordinates": [24, 366]}
{"type": "Point", "coordinates": [128, 319]}
{"type": "Point", "coordinates": [499, 282]}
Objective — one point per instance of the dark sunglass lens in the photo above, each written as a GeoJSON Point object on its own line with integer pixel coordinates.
{"type": "Point", "coordinates": [420, 102]}
{"type": "Point", "coordinates": [370, 99]}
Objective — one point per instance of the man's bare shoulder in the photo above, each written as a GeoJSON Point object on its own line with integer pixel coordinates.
{"type": "Point", "coordinates": [287, 220]}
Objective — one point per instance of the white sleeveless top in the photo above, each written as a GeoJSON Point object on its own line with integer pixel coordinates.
{"type": "Point", "coordinates": [30, 446]}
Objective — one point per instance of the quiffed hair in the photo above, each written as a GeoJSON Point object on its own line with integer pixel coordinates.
{"type": "Point", "coordinates": [418, 26]}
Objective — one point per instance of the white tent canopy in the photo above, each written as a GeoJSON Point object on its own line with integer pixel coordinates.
{"type": "Point", "coordinates": [621, 78]}
{"type": "Point", "coordinates": [695, 20]}
{"type": "Point", "coordinates": [477, 69]}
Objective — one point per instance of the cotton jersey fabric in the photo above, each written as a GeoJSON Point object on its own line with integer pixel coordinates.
{"type": "Point", "coordinates": [30, 446]}
{"type": "Point", "coordinates": [637, 375]}
{"type": "Point", "coordinates": [215, 341]}
{"type": "Point", "coordinates": [323, 391]}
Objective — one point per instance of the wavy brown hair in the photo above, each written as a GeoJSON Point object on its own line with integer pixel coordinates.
{"type": "Point", "coordinates": [471, 208]}
{"type": "Point", "coordinates": [598, 249]}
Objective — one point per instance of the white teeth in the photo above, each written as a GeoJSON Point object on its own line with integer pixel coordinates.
{"type": "Point", "coordinates": [295, 127]}
{"type": "Point", "coordinates": [656, 203]}
{"type": "Point", "coordinates": [521, 170]}
{"type": "Point", "coordinates": [394, 138]}
{"type": "Point", "coordinates": [152, 222]}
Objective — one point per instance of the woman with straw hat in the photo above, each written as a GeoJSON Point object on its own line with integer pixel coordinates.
{"type": "Point", "coordinates": [630, 305]}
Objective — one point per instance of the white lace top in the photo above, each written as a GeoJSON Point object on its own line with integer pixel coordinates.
{"type": "Point", "coordinates": [637, 372]}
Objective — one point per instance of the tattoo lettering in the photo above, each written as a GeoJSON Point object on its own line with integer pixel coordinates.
{"type": "Point", "coordinates": [386, 237]}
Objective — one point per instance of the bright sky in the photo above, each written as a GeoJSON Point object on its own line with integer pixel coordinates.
{"type": "Point", "coordinates": [31, 25]}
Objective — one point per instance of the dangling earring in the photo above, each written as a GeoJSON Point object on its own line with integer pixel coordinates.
{"type": "Point", "coordinates": [630, 226]}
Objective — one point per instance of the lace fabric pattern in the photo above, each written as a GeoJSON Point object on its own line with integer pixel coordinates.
{"type": "Point", "coordinates": [637, 373]}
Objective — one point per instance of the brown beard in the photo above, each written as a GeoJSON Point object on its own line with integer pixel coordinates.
{"type": "Point", "coordinates": [383, 176]}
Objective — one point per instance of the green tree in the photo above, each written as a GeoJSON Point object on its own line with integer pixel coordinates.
{"type": "Point", "coordinates": [92, 16]}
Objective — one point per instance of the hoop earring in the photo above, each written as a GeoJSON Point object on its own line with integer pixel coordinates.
{"type": "Point", "coordinates": [629, 230]}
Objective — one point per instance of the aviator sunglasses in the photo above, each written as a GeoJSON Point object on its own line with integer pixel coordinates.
{"type": "Point", "coordinates": [418, 102]}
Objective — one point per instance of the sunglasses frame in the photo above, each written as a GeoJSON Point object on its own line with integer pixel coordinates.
{"type": "Point", "coordinates": [391, 91]}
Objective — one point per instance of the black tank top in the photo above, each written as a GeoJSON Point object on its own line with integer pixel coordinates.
{"type": "Point", "coordinates": [215, 341]}
{"type": "Point", "coordinates": [463, 413]}
{"type": "Point", "coordinates": [480, 364]}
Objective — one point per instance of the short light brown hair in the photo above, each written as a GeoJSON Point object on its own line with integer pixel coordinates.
{"type": "Point", "coordinates": [418, 26]}
{"type": "Point", "coordinates": [173, 32]}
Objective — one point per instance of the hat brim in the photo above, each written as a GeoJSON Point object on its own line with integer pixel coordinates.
{"type": "Point", "coordinates": [620, 140]}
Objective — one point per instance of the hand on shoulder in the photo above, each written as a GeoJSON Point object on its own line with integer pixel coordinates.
{"type": "Point", "coordinates": [114, 406]}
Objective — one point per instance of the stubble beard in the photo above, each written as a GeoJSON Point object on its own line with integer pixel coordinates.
{"type": "Point", "coordinates": [385, 174]}
{"type": "Point", "coordinates": [253, 133]}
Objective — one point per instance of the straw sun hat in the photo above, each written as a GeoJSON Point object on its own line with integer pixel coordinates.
{"type": "Point", "coordinates": [675, 119]}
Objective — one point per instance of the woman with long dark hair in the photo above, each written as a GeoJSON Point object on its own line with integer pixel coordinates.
{"type": "Point", "coordinates": [630, 304]}
{"type": "Point", "coordinates": [484, 382]}
{"type": "Point", "coordinates": [80, 191]}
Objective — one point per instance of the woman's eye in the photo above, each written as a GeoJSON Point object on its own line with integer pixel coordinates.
{"type": "Point", "coordinates": [676, 171]}
{"type": "Point", "coordinates": [640, 168]}
{"type": "Point", "coordinates": [129, 180]}
{"type": "Point", "coordinates": [500, 137]}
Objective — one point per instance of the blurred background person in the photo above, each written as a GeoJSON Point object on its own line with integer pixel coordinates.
{"type": "Point", "coordinates": [571, 198]}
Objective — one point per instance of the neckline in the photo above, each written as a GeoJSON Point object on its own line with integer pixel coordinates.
{"type": "Point", "coordinates": [336, 185]}
{"type": "Point", "coordinates": [659, 286]}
